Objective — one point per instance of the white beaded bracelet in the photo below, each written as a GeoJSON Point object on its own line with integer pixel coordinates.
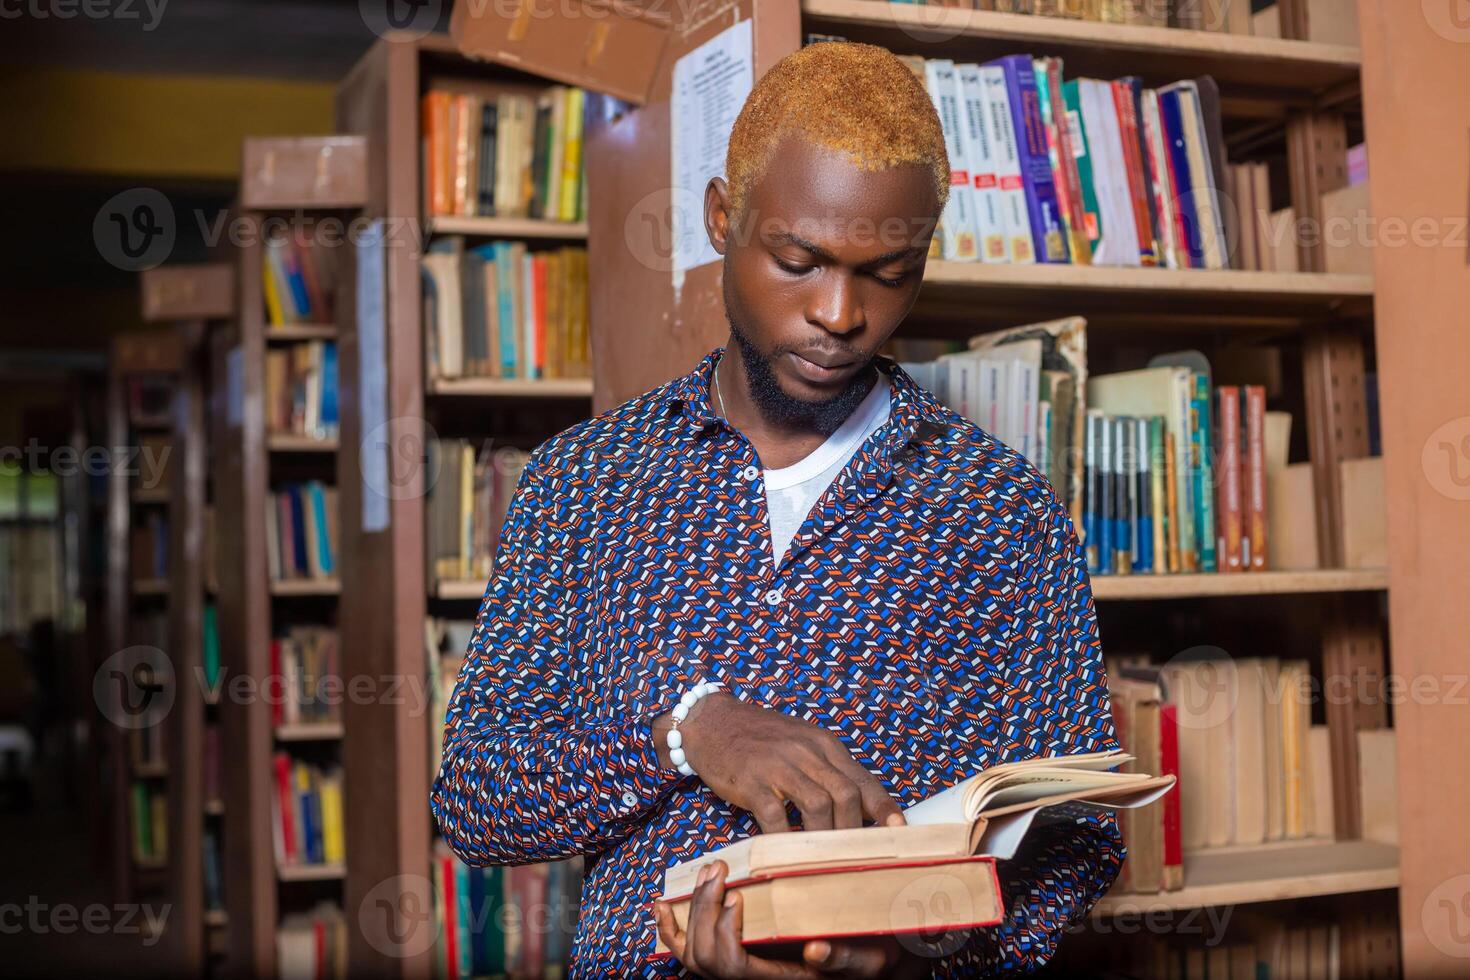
{"type": "Point", "coordinates": [680, 712]}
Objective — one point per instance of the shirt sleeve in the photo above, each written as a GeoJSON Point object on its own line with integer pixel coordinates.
{"type": "Point", "coordinates": [525, 776]}
{"type": "Point", "coordinates": [1055, 694]}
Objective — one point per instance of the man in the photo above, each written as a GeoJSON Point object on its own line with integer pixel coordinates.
{"type": "Point", "coordinates": [891, 599]}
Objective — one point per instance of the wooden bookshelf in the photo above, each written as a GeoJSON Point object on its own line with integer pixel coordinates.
{"type": "Point", "coordinates": [307, 178]}
{"type": "Point", "coordinates": [1285, 70]}
{"type": "Point", "coordinates": [1121, 587]}
{"type": "Point", "coordinates": [512, 388]}
{"type": "Point", "coordinates": [1270, 873]}
{"type": "Point", "coordinates": [319, 731]}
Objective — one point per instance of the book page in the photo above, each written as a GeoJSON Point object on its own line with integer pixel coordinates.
{"type": "Point", "coordinates": [945, 807]}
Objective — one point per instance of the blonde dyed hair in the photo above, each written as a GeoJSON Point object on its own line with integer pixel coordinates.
{"type": "Point", "coordinates": [858, 99]}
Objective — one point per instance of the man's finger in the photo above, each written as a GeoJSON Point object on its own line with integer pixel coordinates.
{"type": "Point", "coordinates": [704, 912]}
{"type": "Point", "coordinates": [729, 953]}
{"type": "Point", "coordinates": [847, 798]}
{"type": "Point", "coordinates": [668, 929]}
{"type": "Point", "coordinates": [814, 802]}
{"type": "Point", "coordinates": [838, 959]}
{"type": "Point", "coordinates": [770, 813]}
{"type": "Point", "coordinates": [878, 806]}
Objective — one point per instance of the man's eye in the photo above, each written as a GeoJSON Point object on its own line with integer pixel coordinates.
{"type": "Point", "coordinates": [892, 281]}
{"type": "Point", "coordinates": [793, 268]}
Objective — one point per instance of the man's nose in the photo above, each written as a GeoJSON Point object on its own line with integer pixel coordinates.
{"type": "Point", "coordinates": [835, 304]}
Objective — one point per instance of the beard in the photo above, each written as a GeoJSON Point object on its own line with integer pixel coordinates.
{"type": "Point", "coordinates": [781, 409]}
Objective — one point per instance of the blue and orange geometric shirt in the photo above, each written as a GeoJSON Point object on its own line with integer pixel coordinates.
{"type": "Point", "coordinates": [933, 612]}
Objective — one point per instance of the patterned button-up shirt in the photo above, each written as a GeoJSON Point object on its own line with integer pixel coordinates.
{"type": "Point", "coordinates": [933, 612]}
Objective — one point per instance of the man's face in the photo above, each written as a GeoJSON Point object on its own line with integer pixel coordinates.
{"type": "Point", "coordinates": [826, 263]}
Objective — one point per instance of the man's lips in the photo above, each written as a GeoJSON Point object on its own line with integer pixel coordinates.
{"type": "Point", "coordinates": [820, 368]}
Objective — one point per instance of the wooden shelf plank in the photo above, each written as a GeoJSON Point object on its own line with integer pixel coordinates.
{"type": "Point", "coordinates": [1270, 873]}
{"type": "Point", "coordinates": [151, 770]}
{"type": "Point", "coordinates": [1270, 66]}
{"type": "Point", "coordinates": [309, 731]}
{"type": "Point", "coordinates": [287, 442]}
{"type": "Point", "coordinates": [152, 495]}
{"type": "Point", "coordinates": [482, 227]}
{"type": "Point", "coordinates": [310, 872]}
{"type": "Point", "coordinates": [292, 332]}
{"type": "Point", "coordinates": [467, 589]}
{"type": "Point", "coordinates": [1246, 583]}
{"type": "Point", "coordinates": [150, 586]}
{"type": "Point", "coordinates": [512, 387]}
{"type": "Point", "coordinates": [306, 587]}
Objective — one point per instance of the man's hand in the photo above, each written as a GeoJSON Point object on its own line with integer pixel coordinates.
{"type": "Point", "coordinates": [758, 759]}
{"type": "Point", "coordinates": [710, 946]}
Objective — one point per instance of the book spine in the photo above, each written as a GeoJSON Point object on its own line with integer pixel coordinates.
{"type": "Point", "coordinates": [1143, 555]}
{"type": "Point", "coordinates": [1064, 165]}
{"type": "Point", "coordinates": [1186, 216]}
{"type": "Point", "coordinates": [1007, 166]}
{"type": "Point", "coordinates": [1255, 429]}
{"type": "Point", "coordinates": [1106, 509]}
{"type": "Point", "coordinates": [571, 171]}
{"type": "Point", "coordinates": [1228, 438]}
{"type": "Point", "coordinates": [1173, 828]}
{"type": "Point", "coordinates": [1048, 234]}
{"type": "Point", "coordinates": [1124, 518]}
{"type": "Point", "coordinates": [985, 190]}
{"type": "Point", "coordinates": [1123, 103]}
{"type": "Point", "coordinates": [1204, 532]}
{"type": "Point", "coordinates": [956, 223]}
{"type": "Point", "coordinates": [1171, 500]}
{"type": "Point", "coordinates": [1184, 449]}
{"type": "Point", "coordinates": [1158, 171]}
{"type": "Point", "coordinates": [1092, 498]}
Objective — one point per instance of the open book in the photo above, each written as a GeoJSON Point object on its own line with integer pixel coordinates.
{"type": "Point", "coordinates": [987, 814]}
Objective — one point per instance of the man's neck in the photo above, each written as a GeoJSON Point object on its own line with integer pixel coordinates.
{"type": "Point", "coordinates": [777, 445]}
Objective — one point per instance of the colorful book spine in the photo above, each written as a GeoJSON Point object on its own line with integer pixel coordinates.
{"type": "Point", "coordinates": [1106, 507]}
{"type": "Point", "coordinates": [1125, 523]}
{"type": "Point", "coordinates": [985, 190]}
{"type": "Point", "coordinates": [1048, 230]}
{"type": "Point", "coordinates": [956, 222]}
{"type": "Point", "coordinates": [1158, 495]}
{"type": "Point", "coordinates": [1143, 553]}
{"type": "Point", "coordinates": [1204, 479]}
{"type": "Point", "coordinates": [1255, 488]}
{"type": "Point", "coordinates": [1013, 209]}
{"type": "Point", "coordinates": [1227, 428]}
{"type": "Point", "coordinates": [1187, 216]}
{"type": "Point", "coordinates": [1092, 493]}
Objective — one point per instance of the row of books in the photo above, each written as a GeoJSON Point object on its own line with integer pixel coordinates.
{"type": "Point", "coordinates": [301, 531]}
{"type": "Point", "coordinates": [504, 154]}
{"type": "Point", "coordinates": [301, 389]}
{"type": "Point", "coordinates": [298, 277]}
{"type": "Point", "coordinates": [149, 546]}
{"type": "Point", "coordinates": [307, 664]}
{"type": "Point", "coordinates": [500, 310]}
{"type": "Point", "coordinates": [306, 820]}
{"type": "Point", "coordinates": [1222, 16]}
{"type": "Point", "coordinates": [1251, 945]}
{"type": "Point", "coordinates": [149, 805]}
{"type": "Point", "coordinates": [515, 922]}
{"type": "Point", "coordinates": [1156, 478]}
{"type": "Point", "coordinates": [1086, 171]}
{"type": "Point", "coordinates": [467, 504]}
{"type": "Point", "coordinates": [312, 945]}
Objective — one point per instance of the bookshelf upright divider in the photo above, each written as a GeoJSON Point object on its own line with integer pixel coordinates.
{"type": "Point", "coordinates": [294, 192]}
{"type": "Point", "coordinates": [190, 297]}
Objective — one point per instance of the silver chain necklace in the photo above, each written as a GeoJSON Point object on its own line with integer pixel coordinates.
{"type": "Point", "coordinates": [718, 393]}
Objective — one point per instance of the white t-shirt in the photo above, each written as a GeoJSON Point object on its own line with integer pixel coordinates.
{"type": "Point", "coordinates": [792, 490]}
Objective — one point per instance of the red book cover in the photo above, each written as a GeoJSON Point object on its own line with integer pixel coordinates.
{"type": "Point", "coordinates": [451, 921]}
{"type": "Point", "coordinates": [1228, 477]}
{"type": "Point", "coordinates": [978, 858]}
{"type": "Point", "coordinates": [1064, 174]}
{"type": "Point", "coordinates": [319, 945]}
{"type": "Point", "coordinates": [1255, 463]}
{"type": "Point", "coordinates": [1133, 162]}
{"type": "Point", "coordinates": [1169, 766]}
{"type": "Point", "coordinates": [284, 799]}
{"type": "Point", "coordinates": [277, 684]}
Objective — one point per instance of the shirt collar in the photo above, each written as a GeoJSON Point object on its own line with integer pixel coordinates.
{"type": "Point", "coordinates": [914, 414]}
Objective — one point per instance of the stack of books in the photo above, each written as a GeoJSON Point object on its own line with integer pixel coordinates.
{"type": "Point", "coordinates": [1086, 171]}
{"type": "Point", "coordinates": [1220, 16]}
{"type": "Point", "coordinates": [313, 945]}
{"type": "Point", "coordinates": [301, 389]}
{"type": "Point", "coordinates": [301, 531]}
{"type": "Point", "coordinates": [515, 922]}
{"type": "Point", "coordinates": [502, 311]}
{"type": "Point", "coordinates": [467, 506]}
{"type": "Point", "coordinates": [504, 154]}
{"type": "Point", "coordinates": [306, 662]}
{"type": "Point", "coordinates": [298, 277]}
{"type": "Point", "coordinates": [306, 820]}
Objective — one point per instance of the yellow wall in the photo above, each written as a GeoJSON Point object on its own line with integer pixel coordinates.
{"type": "Point", "coordinates": [187, 126]}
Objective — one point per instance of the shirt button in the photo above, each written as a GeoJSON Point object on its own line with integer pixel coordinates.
{"type": "Point", "coordinates": [773, 597]}
{"type": "Point", "coordinates": [750, 473]}
{"type": "Point", "coordinates": [630, 798]}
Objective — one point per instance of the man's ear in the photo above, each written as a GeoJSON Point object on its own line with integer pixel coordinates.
{"type": "Point", "coordinates": [717, 213]}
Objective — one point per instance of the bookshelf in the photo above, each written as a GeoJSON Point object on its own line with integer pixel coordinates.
{"type": "Point", "coordinates": [143, 371]}
{"type": "Point", "coordinates": [311, 184]}
{"type": "Point", "coordinates": [387, 591]}
{"type": "Point", "coordinates": [191, 298]}
{"type": "Point", "coordinates": [1298, 97]}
